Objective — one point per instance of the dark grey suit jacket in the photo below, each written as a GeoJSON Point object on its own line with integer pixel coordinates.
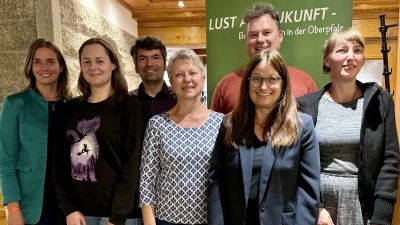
{"type": "Point", "coordinates": [289, 175]}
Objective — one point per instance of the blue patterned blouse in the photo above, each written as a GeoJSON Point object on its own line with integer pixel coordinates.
{"type": "Point", "coordinates": [175, 162]}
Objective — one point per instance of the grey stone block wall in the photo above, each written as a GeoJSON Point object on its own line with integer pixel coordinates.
{"type": "Point", "coordinates": [67, 23]}
{"type": "Point", "coordinates": [17, 31]}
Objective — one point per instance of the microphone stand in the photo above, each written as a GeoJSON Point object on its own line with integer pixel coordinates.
{"type": "Point", "coordinates": [383, 29]}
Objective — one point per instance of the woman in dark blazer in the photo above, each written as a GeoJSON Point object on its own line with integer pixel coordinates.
{"type": "Point", "coordinates": [265, 165]}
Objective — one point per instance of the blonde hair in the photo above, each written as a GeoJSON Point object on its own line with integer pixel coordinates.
{"type": "Point", "coordinates": [338, 38]}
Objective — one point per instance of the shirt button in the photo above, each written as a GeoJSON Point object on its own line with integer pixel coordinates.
{"type": "Point", "coordinates": [262, 207]}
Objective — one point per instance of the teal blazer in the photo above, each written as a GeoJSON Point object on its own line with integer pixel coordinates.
{"type": "Point", "coordinates": [23, 151]}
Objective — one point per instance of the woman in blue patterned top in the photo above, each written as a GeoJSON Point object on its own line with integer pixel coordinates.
{"type": "Point", "coordinates": [177, 150]}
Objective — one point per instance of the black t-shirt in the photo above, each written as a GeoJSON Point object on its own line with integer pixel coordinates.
{"type": "Point", "coordinates": [99, 164]}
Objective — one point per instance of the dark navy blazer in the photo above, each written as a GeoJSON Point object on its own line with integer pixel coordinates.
{"type": "Point", "coordinates": [290, 176]}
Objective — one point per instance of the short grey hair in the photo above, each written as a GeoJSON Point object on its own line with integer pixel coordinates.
{"type": "Point", "coordinates": [185, 53]}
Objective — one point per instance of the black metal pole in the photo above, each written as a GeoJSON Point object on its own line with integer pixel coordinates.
{"type": "Point", "coordinates": [383, 29]}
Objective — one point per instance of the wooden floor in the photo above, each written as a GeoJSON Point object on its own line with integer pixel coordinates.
{"type": "Point", "coordinates": [2, 215]}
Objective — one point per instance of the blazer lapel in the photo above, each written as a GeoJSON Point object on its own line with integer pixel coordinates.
{"type": "Point", "coordinates": [269, 160]}
{"type": "Point", "coordinates": [246, 162]}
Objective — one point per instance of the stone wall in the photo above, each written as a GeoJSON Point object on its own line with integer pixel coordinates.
{"type": "Point", "coordinates": [68, 24]}
{"type": "Point", "coordinates": [17, 31]}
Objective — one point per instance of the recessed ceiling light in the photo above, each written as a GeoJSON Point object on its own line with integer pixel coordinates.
{"type": "Point", "coordinates": [181, 4]}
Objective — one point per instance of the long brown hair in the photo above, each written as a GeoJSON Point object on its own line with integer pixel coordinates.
{"type": "Point", "coordinates": [119, 85]}
{"type": "Point", "coordinates": [63, 77]}
{"type": "Point", "coordinates": [283, 121]}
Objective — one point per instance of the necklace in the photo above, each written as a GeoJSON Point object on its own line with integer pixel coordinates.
{"type": "Point", "coordinates": [351, 98]}
{"type": "Point", "coordinates": [354, 94]}
{"type": "Point", "coordinates": [260, 124]}
{"type": "Point", "coordinates": [53, 105]}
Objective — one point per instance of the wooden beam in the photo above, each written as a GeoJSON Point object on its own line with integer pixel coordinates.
{"type": "Point", "coordinates": [2, 215]}
{"type": "Point", "coordinates": [161, 15]}
{"type": "Point", "coordinates": [195, 35]}
{"type": "Point", "coordinates": [162, 10]}
{"type": "Point", "coordinates": [370, 28]}
{"type": "Point", "coordinates": [189, 6]}
{"type": "Point", "coordinates": [174, 35]}
{"type": "Point", "coordinates": [201, 52]}
{"type": "Point", "coordinates": [373, 48]}
{"type": "Point", "coordinates": [125, 4]}
{"type": "Point", "coordinates": [376, 6]}
{"type": "Point", "coordinates": [375, 15]}
{"type": "Point", "coordinates": [382, 2]}
{"type": "Point", "coordinates": [176, 23]}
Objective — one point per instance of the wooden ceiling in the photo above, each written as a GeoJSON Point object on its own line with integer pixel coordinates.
{"type": "Point", "coordinates": [151, 12]}
{"type": "Point", "coordinates": [186, 25]}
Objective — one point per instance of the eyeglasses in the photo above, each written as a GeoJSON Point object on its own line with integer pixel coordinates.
{"type": "Point", "coordinates": [270, 81]}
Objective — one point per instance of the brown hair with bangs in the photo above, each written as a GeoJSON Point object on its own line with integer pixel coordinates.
{"type": "Point", "coordinates": [340, 37]}
{"type": "Point", "coordinates": [282, 125]}
{"type": "Point", "coordinates": [119, 85]}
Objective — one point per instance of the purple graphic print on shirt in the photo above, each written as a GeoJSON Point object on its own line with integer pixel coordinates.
{"type": "Point", "coordinates": [84, 149]}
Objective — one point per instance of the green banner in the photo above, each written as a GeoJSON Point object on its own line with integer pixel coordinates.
{"type": "Point", "coordinates": [305, 24]}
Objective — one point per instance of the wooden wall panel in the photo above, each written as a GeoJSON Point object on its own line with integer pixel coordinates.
{"type": "Point", "coordinates": [373, 48]}
{"type": "Point", "coordinates": [375, 15]}
{"type": "Point", "coordinates": [161, 15]}
{"type": "Point", "coordinates": [171, 23]}
{"type": "Point", "coordinates": [2, 214]}
{"type": "Point", "coordinates": [194, 35]}
{"type": "Point", "coordinates": [370, 27]}
{"type": "Point", "coordinates": [396, 218]}
{"type": "Point", "coordinates": [181, 33]}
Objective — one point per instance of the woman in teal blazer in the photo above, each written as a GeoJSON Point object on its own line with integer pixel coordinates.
{"type": "Point", "coordinates": [26, 138]}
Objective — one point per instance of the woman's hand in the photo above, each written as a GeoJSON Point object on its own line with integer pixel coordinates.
{"type": "Point", "coordinates": [324, 218]}
{"type": "Point", "coordinates": [76, 218]}
{"type": "Point", "coordinates": [148, 215]}
{"type": "Point", "coordinates": [15, 218]}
